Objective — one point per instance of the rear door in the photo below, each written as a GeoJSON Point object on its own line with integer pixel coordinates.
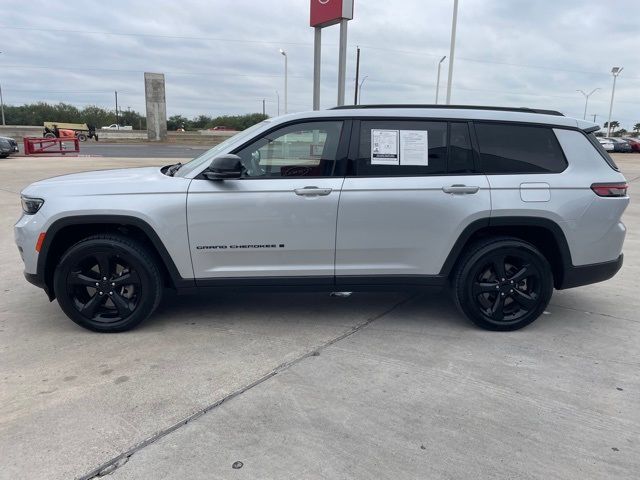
{"type": "Point", "coordinates": [279, 219]}
{"type": "Point", "coordinates": [411, 190]}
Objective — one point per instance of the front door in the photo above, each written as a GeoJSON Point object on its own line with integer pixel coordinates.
{"type": "Point", "coordinates": [279, 219]}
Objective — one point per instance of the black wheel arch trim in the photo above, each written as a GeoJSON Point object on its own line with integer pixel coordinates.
{"type": "Point", "coordinates": [512, 221]}
{"type": "Point", "coordinates": [40, 278]}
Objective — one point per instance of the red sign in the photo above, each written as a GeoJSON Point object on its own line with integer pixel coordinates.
{"type": "Point", "coordinates": [330, 12]}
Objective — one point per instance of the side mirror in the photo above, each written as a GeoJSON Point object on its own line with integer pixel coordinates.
{"type": "Point", "coordinates": [224, 167]}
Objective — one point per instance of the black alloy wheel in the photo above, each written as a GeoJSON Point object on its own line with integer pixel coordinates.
{"type": "Point", "coordinates": [503, 284]}
{"type": "Point", "coordinates": [107, 283]}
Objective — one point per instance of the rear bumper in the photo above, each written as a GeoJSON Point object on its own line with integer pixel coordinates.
{"type": "Point", "coordinates": [588, 274]}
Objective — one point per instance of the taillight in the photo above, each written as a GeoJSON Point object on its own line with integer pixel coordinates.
{"type": "Point", "coordinates": [610, 189]}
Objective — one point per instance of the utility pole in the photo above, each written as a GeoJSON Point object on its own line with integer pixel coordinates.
{"type": "Point", "coordinates": [117, 120]}
{"type": "Point", "coordinates": [355, 97]}
{"type": "Point", "coordinates": [263, 107]}
{"type": "Point", "coordinates": [452, 49]}
{"type": "Point", "coordinates": [284, 54]}
{"type": "Point", "coordinates": [594, 118]}
{"type": "Point", "coordinates": [2, 106]}
{"type": "Point", "coordinates": [278, 95]}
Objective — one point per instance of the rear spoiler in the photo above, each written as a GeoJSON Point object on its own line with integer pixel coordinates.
{"type": "Point", "coordinates": [591, 129]}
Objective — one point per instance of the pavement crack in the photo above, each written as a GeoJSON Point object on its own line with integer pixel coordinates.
{"type": "Point", "coordinates": [116, 462]}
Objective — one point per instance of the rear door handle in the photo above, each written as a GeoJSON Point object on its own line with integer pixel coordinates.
{"type": "Point", "coordinates": [312, 191]}
{"type": "Point", "coordinates": [460, 189]}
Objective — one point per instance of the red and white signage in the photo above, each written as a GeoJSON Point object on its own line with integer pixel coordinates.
{"type": "Point", "coordinates": [330, 12]}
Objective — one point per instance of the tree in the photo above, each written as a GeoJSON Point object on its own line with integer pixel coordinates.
{"type": "Point", "coordinates": [614, 124]}
{"type": "Point", "coordinates": [636, 128]}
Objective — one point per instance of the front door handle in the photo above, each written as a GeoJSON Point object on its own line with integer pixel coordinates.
{"type": "Point", "coordinates": [460, 189]}
{"type": "Point", "coordinates": [312, 191]}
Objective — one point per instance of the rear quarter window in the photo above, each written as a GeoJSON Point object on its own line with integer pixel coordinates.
{"type": "Point", "coordinates": [507, 148]}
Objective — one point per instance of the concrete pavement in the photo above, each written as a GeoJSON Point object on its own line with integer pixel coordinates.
{"type": "Point", "coordinates": [370, 386]}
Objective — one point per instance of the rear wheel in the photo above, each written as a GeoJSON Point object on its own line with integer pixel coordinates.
{"type": "Point", "coordinates": [107, 283]}
{"type": "Point", "coordinates": [503, 284]}
{"type": "Point", "coordinates": [82, 137]}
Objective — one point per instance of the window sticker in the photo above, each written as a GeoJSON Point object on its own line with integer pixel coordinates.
{"type": "Point", "coordinates": [414, 147]}
{"type": "Point", "coordinates": [384, 147]}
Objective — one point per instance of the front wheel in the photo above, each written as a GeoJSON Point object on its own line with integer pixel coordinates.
{"type": "Point", "coordinates": [503, 283]}
{"type": "Point", "coordinates": [107, 283]}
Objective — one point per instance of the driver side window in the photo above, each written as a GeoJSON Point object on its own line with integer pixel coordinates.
{"type": "Point", "coordinates": [301, 150]}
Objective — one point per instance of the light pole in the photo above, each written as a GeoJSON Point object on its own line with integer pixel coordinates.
{"type": "Point", "coordinates": [586, 100]}
{"type": "Point", "coordinates": [615, 71]}
{"type": "Point", "coordinates": [2, 105]}
{"type": "Point", "coordinates": [360, 89]}
{"type": "Point", "coordinates": [284, 54]}
{"type": "Point", "coordinates": [438, 80]}
{"type": "Point", "coordinates": [452, 49]}
{"type": "Point", "coordinates": [278, 95]}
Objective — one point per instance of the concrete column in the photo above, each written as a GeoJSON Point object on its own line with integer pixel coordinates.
{"type": "Point", "coordinates": [156, 106]}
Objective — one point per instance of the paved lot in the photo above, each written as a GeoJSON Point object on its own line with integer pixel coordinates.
{"type": "Point", "coordinates": [370, 386]}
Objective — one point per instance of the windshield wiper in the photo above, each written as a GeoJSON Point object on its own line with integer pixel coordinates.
{"type": "Point", "coordinates": [171, 171]}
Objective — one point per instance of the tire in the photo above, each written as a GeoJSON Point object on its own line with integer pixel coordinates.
{"type": "Point", "coordinates": [131, 292]}
{"type": "Point", "coordinates": [502, 283]}
{"type": "Point", "coordinates": [81, 137]}
{"type": "Point", "coordinates": [4, 155]}
{"type": "Point", "coordinates": [49, 135]}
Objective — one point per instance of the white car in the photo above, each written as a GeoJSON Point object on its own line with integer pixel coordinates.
{"type": "Point", "coordinates": [115, 126]}
{"type": "Point", "coordinates": [606, 144]}
{"type": "Point", "coordinates": [499, 205]}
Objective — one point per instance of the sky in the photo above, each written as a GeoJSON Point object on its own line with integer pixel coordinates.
{"type": "Point", "coordinates": [222, 56]}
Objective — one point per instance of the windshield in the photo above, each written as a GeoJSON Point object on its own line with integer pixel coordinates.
{"type": "Point", "coordinates": [209, 155]}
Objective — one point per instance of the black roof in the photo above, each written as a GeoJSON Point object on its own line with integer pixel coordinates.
{"type": "Point", "coordinates": [459, 107]}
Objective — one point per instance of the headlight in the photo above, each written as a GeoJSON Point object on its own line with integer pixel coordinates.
{"type": "Point", "coordinates": [30, 206]}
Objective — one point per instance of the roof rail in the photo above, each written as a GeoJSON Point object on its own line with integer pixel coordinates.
{"type": "Point", "coordinates": [458, 107]}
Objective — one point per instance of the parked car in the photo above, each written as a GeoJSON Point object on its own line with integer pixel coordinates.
{"type": "Point", "coordinates": [634, 143]}
{"type": "Point", "coordinates": [499, 205]}
{"type": "Point", "coordinates": [606, 144]}
{"type": "Point", "coordinates": [115, 126]}
{"type": "Point", "coordinates": [619, 145]}
{"type": "Point", "coordinates": [7, 147]}
{"type": "Point", "coordinates": [223, 129]}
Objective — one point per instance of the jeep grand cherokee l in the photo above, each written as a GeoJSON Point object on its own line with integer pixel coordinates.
{"type": "Point", "coordinates": [499, 205]}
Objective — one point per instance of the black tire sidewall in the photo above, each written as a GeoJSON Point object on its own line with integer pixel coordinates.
{"type": "Point", "coordinates": [465, 278]}
{"type": "Point", "coordinates": [147, 271]}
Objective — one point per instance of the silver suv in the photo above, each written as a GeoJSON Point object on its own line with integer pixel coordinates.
{"type": "Point", "coordinates": [500, 205]}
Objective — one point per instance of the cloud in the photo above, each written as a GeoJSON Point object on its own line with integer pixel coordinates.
{"type": "Point", "coordinates": [222, 56]}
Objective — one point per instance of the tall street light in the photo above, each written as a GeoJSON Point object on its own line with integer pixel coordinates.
{"type": "Point", "coordinates": [2, 104]}
{"type": "Point", "coordinates": [438, 80]}
{"type": "Point", "coordinates": [360, 89]}
{"type": "Point", "coordinates": [284, 54]}
{"type": "Point", "coordinates": [586, 100]}
{"type": "Point", "coordinates": [615, 71]}
{"type": "Point", "coordinates": [452, 49]}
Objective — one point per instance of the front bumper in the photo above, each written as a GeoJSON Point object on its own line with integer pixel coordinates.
{"type": "Point", "coordinates": [588, 274]}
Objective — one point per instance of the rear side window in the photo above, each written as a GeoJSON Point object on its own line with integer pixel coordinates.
{"type": "Point", "coordinates": [389, 148]}
{"type": "Point", "coordinates": [506, 148]}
